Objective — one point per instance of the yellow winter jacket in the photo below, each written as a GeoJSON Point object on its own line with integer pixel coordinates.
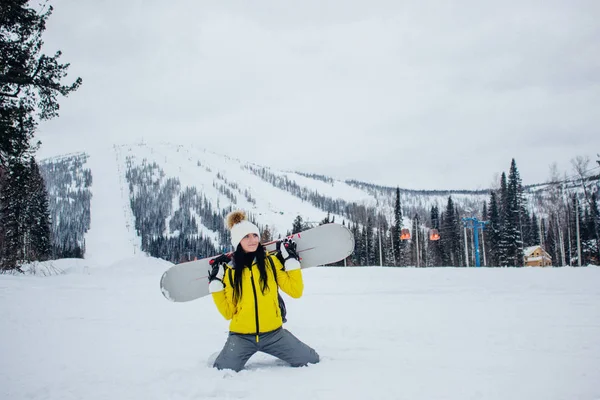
{"type": "Point", "coordinates": [256, 312]}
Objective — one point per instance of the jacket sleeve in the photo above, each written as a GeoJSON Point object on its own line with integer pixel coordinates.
{"type": "Point", "coordinates": [290, 282]}
{"type": "Point", "coordinates": [224, 299]}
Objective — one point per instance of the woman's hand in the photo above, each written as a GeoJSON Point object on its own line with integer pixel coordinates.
{"type": "Point", "coordinates": [288, 253]}
{"type": "Point", "coordinates": [215, 275]}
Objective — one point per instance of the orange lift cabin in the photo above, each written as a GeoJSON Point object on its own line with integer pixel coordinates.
{"type": "Point", "coordinates": [404, 234]}
{"type": "Point", "coordinates": [434, 234]}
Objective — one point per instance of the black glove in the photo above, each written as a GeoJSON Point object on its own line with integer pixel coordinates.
{"type": "Point", "coordinates": [287, 252]}
{"type": "Point", "coordinates": [222, 259]}
{"type": "Point", "coordinates": [215, 275]}
{"type": "Point", "coordinates": [287, 249]}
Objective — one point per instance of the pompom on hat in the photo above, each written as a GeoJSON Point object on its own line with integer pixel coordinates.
{"type": "Point", "coordinates": [239, 226]}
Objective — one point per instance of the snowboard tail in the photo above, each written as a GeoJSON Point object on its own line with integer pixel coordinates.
{"type": "Point", "coordinates": [321, 245]}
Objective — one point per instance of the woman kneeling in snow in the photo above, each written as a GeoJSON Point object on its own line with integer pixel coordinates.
{"type": "Point", "coordinates": [245, 291]}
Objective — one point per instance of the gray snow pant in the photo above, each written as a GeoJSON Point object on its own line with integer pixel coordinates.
{"type": "Point", "coordinates": [279, 343]}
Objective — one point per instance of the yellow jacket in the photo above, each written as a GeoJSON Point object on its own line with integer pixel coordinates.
{"type": "Point", "coordinates": [256, 312]}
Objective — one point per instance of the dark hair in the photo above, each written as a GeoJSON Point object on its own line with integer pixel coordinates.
{"type": "Point", "coordinates": [240, 260]}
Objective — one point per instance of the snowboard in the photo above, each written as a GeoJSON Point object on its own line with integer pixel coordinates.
{"type": "Point", "coordinates": [321, 245]}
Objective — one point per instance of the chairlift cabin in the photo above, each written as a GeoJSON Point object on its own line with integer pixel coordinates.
{"type": "Point", "coordinates": [434, 234]}
{"type": "Point", "coordinates": [404, 234]}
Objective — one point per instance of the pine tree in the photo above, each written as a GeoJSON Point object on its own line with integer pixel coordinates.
{"type": "Point", "coordinates": [25, 216]}
{"type": "Point", "coordinates": [377, 255]}
{"type": "Point", "coordinates": [357, 255]}
{"type": "Point", "coordinates": [388, 249]}
{"type": "Point", "coordinates": [38, 216]}
{"type": "Point", "coordinates": [512, 218]}
{"type": "Point", "coordinates": [575, 213]}
{"type": "Point", "coordinates": [383, 252]}
{"type": "Point", "coordinates": [459, 249]}
{"type": "Point", "coordinates": [492, 232]}
{"type": "Point", "coordinates": [441, 242]}
{"type": "Point", "coordinates": [434, 255]}
{"type": "Point", "coordinates": [369, 244]}
{"type": "Point", "coordinates": [587, 244]}
{"type": "Point", "coordinates": [2, 230]}
{"type": "Point", "coordinates": [365, 253]}
{"type": "Point", "coordinates": [298, 225]}
{"type": "Point", "coordinates": [412, 246]}
{"type": "Point", "coordinates": [30, 82]}
{"type": "Point", "coordinates": [326, 220]}
{"type": "Point", "coordinates": [485, 249]}
{"type": "Point", "coordinates": [450, 236]}
{"type": "Point", "coordinates": [550, 241]}
{"type": "Point", "coordinates": [396, 242]}
{"type": "Point", "coordinates": [13, 215]}
{"type": "Point", "coordinates": [503, 245]}
{"type": "Point", "coordinates": [266, 235]}
{"type": "Point", "coordinates": [526, 228]}
{"type": "Point", "coordinates": [593, 227]}
{"type": "Point", "coordinates": [435, 217]}
{"type": "Point", "coordinates": [484, 211]}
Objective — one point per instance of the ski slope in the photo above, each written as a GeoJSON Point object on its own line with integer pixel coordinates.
{"type": "Point", "coordinates": [112, 234]}
{"type": "Point", "coordinates": [199, 168]}
{"type": "Point", "coordinates": [106, 332]}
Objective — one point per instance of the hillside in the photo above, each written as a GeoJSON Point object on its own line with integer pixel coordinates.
{"type": "Point", "coordinates": [167, 190]}
{"type": "Point", "coordinates": [170, 200]}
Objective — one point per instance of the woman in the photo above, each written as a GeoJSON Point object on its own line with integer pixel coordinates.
{"type": "Point", "coordinates": [245, 291]}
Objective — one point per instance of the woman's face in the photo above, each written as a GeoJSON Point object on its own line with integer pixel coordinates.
{"type": "Point", "coordinates": [250, 242]}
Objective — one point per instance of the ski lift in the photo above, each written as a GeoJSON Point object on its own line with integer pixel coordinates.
{"type": "Point", "coordinates": [404, 234]}
{"type": "Point", "coordinates": [434, 234]}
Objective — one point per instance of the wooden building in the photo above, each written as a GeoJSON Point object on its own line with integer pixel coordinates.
{"type": "Point", "coordinates": [535, 256]}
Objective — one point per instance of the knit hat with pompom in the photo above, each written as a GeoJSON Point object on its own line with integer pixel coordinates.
{"type": "Point", "coordinates": [239, 227]}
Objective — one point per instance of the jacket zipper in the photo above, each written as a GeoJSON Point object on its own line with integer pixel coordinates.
{"type": "Point", "coordinates": [255, 303]}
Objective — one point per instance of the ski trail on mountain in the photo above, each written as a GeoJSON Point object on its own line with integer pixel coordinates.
{"type": "Point", "coordinates": [112, 235]}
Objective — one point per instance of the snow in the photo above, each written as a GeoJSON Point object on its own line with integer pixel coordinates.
{"type": "Point", "coordinates": [528, 250]}
{"type": "Point", "coordinates": [197, 167]}
{"type": "Point", "coordinates": [106, 332]}
{"type": "Point", "coordinates": [112, 234]}
{"type": "Point", "coordinates": [99, 328]}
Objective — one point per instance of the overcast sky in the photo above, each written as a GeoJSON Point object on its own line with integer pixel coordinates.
{"type": "Point", "coordinates": [419, 94]}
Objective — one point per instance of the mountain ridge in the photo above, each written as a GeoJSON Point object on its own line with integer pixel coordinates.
{"type": "Point", "coordinates": [176, 197]}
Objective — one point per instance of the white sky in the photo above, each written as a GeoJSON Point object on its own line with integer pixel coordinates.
{"type": "Point", "coordinates": [420, 94]}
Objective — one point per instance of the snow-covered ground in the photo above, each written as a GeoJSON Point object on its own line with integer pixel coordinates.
{"type": "Point", "coordinates": [112, 234]}
{"type": "Point", "coordinates": [106, 332]}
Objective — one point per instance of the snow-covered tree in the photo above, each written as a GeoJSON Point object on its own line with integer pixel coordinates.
{"type": "Point", "coordinates": [298, 224]}
{"type": "Point", "coordinates": [396, 228]}
{"type": "Point", "coordinates": [434, 248]}
{"type": "Point", "coordinates": [30, 82]}
{"type": "Point", "coordinates": [39, 243]}
{"type": "Point", "coordinates": [492, 232]}
{"type": "Point", "coordinates": [68, 185]}
{"type": "Point", "coordinates": [24, 216]}
{"type": "Point", "coordinates": [512, 219]}
{"type": "Point", "coordinates": [450, 236]}
{"type": "Point", "coordinates": [266, 235]}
